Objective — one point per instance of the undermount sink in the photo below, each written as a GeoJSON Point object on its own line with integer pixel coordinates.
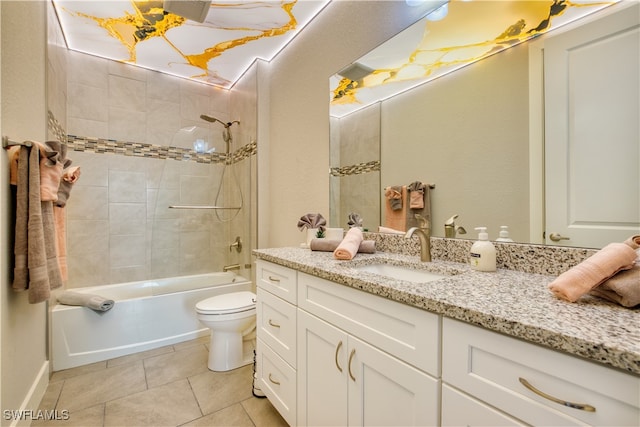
{"type": "Point", "coordinates": [402, 273]}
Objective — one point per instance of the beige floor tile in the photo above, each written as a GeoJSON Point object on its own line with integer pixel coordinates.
{"type": "Point", "coordinates": [169, 367]}
{"type": "Point", "coordinates": [232, 416]}
{"type": "Point", "coordinates": [168, 405]}
{"type": "Point", "coordinates": [217, 390]}
{"type": "Point", "coordinates": [262, 413]}
{"type": "Point", "coordinates": [89, 417]}
{"type": "Point", "coordinates": [139, 356]}
{"type": "Point", "coordinates": [51, 395]}
{"type": "Point", "coordinates": [80, 370]}
{"type": "Point", "coordinates": [90, 389]}
{"type": "Point", "coordinates": [186, 344]}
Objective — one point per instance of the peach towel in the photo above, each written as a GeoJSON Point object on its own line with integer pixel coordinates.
{"type": "Point", "coordinates": [396, 219]}
{"type": "Point", "coordinates": [348, 248]}
{"type": "Point", "coordinates": [330, 245]}
{"type": "Point", "coordinates": [593, 271]}
{"type": "Point", "coordinates": [51, 167]}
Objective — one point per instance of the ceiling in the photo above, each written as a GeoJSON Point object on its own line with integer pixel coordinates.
{"type": "Point", "coordinates": [455, 35]}
{"type": "Point", "coordinates": [216, 52]}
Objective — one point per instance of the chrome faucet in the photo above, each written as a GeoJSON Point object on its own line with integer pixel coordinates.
{"type": "Point", "coordinates": [424, 234]}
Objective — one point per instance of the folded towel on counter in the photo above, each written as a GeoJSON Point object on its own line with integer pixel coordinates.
{"type": "Point", "coordinates": [69, 177]}
{"type": "Point", "coordinates": [394, 196]}
{"type": "Point", "coordinates": [354, 220]}
{"type": "Point", "coordinates": [388, 230]}
{"type": "Point", "coordinates": [416, 195]}
{"type": "Point", "coordinates": [593, 271]}
{"type": "Point", "coordinates": [330, 245]}
{"type": "Point", "coordinates": [92, 301]}
{"type": "Point", "coordinates": [312, 220]}
{"type": "Point", "coordinates": [624, 287]}
{"type": "Point", "coordinates": [349, 246]}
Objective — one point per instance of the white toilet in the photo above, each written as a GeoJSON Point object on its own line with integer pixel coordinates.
{"type": "Point", "coordinates": [232, 320]}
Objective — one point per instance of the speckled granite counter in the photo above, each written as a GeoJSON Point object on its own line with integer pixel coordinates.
{"type": "Point", "coordinates": [511, 302]}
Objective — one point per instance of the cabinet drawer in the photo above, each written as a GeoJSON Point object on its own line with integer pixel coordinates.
{"type": "Point", "coordinates": [279, 280]}
{"type": "Point", "coordinates": [277, 380]}
{"type": "Point", "coordinates": [490, 366]}
{"type": "Point", "coordinates": [276, 320]}
{"type": "Point", "coordinates": [406, 332]}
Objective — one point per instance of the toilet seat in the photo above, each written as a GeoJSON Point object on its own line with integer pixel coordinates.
{"type": "Point", "coordinates": [235, 302]}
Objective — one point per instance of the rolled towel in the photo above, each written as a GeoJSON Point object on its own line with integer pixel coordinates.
{"type": "Point", "coordinates": [94, 302]}
{"type": "Point", "coordinates": [633, 242]}
{"type": "Point", "coordinates": [394, 194]}
{"type": "Point", "coordinates": [348, 248]}
{"type": "Point", "coordinates": [330, 245]}
{"type": "Point", "coordinates": [388, 230]}
{"type": "Point", "coordinates": [593, 271]}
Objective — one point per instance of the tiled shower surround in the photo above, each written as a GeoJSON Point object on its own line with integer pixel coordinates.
{"type": "Point", "coordinates": [131, 131]}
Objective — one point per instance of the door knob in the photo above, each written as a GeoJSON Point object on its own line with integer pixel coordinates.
{"type": "Point", "coordinates": [556, 237]}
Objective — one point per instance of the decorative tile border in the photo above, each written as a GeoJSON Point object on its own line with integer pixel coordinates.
{"type": "Point", "coordinates": [356, 169]}
{"type": "Point", "coordinates": [136, 149]}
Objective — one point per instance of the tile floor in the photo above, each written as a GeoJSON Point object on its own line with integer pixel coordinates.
{"type": "Point", "coordinates": [169, 386]}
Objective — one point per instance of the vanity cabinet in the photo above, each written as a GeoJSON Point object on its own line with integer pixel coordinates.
{"type": "Point", "coordinates": [530, 383]}
{"type": "Point", "coordinates": [355, 356]}
{"type": "Point", "coordinates": [276, 336]}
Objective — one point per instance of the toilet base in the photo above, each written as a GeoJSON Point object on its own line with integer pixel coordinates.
{"type": "Point", "coordinates": [228, 351]}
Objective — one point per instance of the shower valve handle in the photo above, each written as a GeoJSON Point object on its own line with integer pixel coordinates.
{"type": "Point", "coordinates": [237, 244]}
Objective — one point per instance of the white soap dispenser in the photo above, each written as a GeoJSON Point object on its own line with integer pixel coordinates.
{"type": "Point", "coordinates": [504, 234]}
{"type": "Point", "coordinates": [483, 253]}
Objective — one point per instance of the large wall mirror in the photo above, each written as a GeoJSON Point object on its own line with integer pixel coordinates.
{"type": "Point", "coordinates": [480, 129]}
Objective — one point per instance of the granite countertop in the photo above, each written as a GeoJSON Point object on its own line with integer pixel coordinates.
{"type": "Point", "coordinates": [511, 302]}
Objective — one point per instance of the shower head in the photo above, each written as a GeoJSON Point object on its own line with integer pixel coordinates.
{"type": "Point", "coordinates": [213, 120]}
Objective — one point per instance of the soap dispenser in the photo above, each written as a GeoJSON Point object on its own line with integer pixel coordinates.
{"type": "Point", "coordinates": [504, 234]}
{"type": "Point", "coordinates": [483, 253]}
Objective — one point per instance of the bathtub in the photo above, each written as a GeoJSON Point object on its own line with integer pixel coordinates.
{"type": "Point", "coordinates": [146, 315]}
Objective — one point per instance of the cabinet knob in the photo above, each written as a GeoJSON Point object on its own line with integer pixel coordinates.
{"type": "Point", "coordinates": [581, 406]}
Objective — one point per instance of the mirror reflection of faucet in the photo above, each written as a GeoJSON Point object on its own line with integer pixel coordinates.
{"type": "Point", "coordinates": [450, 229]}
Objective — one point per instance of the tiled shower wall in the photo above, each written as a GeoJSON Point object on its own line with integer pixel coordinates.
{"type": "Point", "coordinates": [355, 157]}
{"type": "Point", "coordinates": [119, 226]}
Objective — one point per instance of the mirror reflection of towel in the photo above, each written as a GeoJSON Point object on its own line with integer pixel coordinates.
{"type": "Point", "coordinates": [394, 197]}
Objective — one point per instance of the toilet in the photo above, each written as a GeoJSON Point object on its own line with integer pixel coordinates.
{"type": "Point", "coordinates": [232, 320]}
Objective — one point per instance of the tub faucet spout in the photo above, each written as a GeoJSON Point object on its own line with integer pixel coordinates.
{"type": "Point", "coordinates": [231, 267]}
{"type": "Point", "coordinates": [424, 234]}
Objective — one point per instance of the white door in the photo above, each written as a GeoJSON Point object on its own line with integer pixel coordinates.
{"type": "Point", "coordinates": [384, 391]}
{"type": "Point", "coordinates": [322, 373]}
{"type": "Point", "coordinates": [592, 138]}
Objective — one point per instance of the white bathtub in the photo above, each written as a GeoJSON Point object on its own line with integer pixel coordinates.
{"type": "Point", "coordinates": [146, 315]}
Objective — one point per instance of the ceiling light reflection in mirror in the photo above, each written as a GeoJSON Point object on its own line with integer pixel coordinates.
{"type": "Point", "coordinates": [470, 31]}
{"type": "Point", "coordinates": [216, 52]}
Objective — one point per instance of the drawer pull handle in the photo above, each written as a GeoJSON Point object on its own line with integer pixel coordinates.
{"type": "Point", "coordinates": [275, 325]}
{"type": "Point", "coordinates": [581, 406]}
{"type": "Point", "coordinates": [273, 381]}
{"type": "Point", "coordinates": [274, 279]}
{"type": "Point", "coordinates": [337, 351]}
{"type": "Point", "coordinates": [353, 353]}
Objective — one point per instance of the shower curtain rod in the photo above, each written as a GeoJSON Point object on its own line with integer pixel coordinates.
{"type": "Point", "coordinates": [201, 207]}
{"type": "Point", "coordinates": [6, 143]}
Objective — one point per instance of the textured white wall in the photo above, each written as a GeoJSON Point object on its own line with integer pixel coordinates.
{"type": "Point", "coordinates": [298, 137]}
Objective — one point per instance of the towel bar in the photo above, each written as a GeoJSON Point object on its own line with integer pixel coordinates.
{"type": "Point", "coordinates": [6, 142]}
{"type": "Point", "coordinates": [201, 207]}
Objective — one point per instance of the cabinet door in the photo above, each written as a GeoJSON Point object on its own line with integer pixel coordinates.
{"type": "Point", "coordinates": [385, 391]}
{"type": "Point", "coordinates": [322, 373]}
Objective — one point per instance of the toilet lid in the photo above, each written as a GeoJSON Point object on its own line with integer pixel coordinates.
{"type": "Point", "coordinates": [234, 302]}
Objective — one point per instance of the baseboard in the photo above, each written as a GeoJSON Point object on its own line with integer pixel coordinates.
{"type": "Point", "coordinates": [29, 409]}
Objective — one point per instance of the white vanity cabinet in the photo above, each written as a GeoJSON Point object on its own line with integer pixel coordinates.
{"type": "Point", "coordinates": [530, 383]}
{"type": "Point", "coordinates": [276, 336]}
{"type": "Point", "coordinates": [363, 359]}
